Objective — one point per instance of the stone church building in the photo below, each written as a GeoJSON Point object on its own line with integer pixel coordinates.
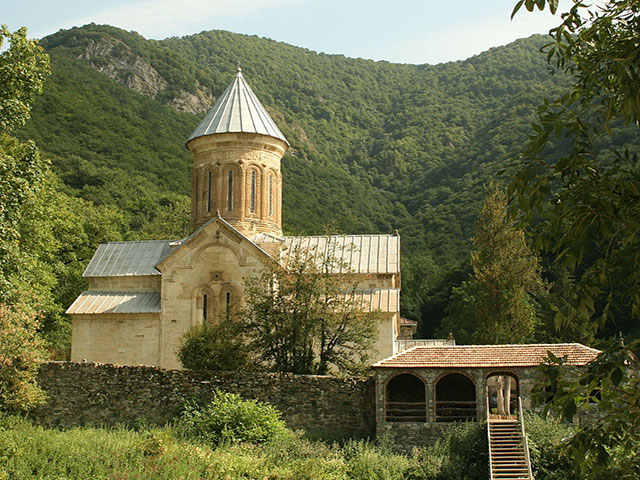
{"type": "Point", "coordinates": [144, 295]}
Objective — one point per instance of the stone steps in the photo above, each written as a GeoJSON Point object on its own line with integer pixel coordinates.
{"type": "Point", "coordinates": [506, 449]}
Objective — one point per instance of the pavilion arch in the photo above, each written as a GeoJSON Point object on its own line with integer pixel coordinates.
{"type": "Point", "coordinates": [455, 395]}
{"type": "Point", "coordinates": [405, 399]}
{"type": "Point", "coordinates": [503, 389]}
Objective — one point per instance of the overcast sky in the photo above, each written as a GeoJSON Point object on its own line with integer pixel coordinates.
{"type": "Point", "coordinates": [406, 31]}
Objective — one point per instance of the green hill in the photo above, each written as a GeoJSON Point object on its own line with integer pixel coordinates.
{"type": "Point", "coordinates": [375, 145]}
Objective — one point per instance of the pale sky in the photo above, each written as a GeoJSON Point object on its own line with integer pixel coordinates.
{"type": "Point", "coordinates": [404, 31]}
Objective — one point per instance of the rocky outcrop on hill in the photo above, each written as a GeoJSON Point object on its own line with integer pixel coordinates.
{"type": "Point", "coordinates": [116, 60]}
{"type": "Point", "coordinates": [195, 103]}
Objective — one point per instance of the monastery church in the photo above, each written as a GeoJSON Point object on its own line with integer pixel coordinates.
{"type": "Point", "coordinates": [144, 295]}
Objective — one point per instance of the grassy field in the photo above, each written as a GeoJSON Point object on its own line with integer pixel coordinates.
{"type": "Point", "coordinates": [33, 452]}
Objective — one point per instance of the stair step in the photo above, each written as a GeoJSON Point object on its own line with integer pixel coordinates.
{"type": "Point", "coordinates": [506, 450]}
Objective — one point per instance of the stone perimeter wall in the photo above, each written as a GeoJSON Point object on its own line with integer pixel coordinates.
{"type": "Point", "coordinates": [105, 394]}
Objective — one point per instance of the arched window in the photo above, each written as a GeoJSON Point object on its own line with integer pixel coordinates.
{"type": "Point", "coordinates": [197, 192]}
{"type": "Point", "coordinates": [253, 192]}
{"type": "Point", "coordinates": [455, 398]}
{"type": "Point", "coordinates": [405, 399]}
{"type": "Point", "coordinates": [270, 195]}
{"type": "Point", "coordinates": [226, 300]}
{"type": "Point", "coordinates": [205, 307]}
{"type": "Point", "coordinates": [209, 192]}
{"type": "Point", "coordinates": [230, 191]}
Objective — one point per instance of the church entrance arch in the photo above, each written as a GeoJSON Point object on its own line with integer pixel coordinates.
{"type": "Point", "coordinates": [405, 399]}
{"type": "Point", "coordinates": [455, 398]}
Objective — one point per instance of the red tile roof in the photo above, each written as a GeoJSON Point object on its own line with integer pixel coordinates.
{"type": "Point", "coordinates": [407, 321]}
{"type": "Point", "coordinates": [461, 356]}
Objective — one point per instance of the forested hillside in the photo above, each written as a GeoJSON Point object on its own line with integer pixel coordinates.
{"type": "Point", "coordinates": [375, 146]}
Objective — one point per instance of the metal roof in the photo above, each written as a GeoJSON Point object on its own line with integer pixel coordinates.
{"type": "Point", "coordinates": [380, 300]}
{"type": "Point", "coordinates": [359, 253]}
{"type": "Point", "coordinates": [468, 356]}
{"type": "Point", "coordinates": [127, 258]}
{"type": "Point", "coordinates": [94, 302]}
{"type": "Point", "coordinates": [238, 110]}
{"type": "Point", "coordinates": [353, 253]}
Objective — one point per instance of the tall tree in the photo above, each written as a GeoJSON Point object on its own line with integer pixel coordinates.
{"type": "Point", "coordinates": [585, 207]}
{"type": "Point", "coordinates": [305, 317]}
{"type": "Point", "coordinates": [23, 68]}
{"type": "Point", "coordinates": [505, 276]}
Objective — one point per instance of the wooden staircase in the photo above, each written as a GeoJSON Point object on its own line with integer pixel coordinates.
{"type": "Point", "coordinates": [508, 449]}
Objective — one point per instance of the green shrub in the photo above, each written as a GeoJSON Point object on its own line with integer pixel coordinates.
{"type": "Point", "coordinates": [214, 346]}
{"type": "Point", "coordinates": [229, 418]}
{"type": "Point", "coordinates": [366, 461]}
{"type": "Point", "coordinates": [548, 454]}
{"type": "Point", "coordinates": [461, 454]}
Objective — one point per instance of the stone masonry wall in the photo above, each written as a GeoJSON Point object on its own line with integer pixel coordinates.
{"type": "Point", "coordinates": [104, 394]}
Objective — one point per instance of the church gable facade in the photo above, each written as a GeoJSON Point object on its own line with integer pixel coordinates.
{"type": "Point", "coordinates": [143, 296]}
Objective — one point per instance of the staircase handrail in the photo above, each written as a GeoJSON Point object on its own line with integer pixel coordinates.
{"type": "Point", "coordinates": [489, 433]}
{"type": "Point", "coordinates": [524, 437]}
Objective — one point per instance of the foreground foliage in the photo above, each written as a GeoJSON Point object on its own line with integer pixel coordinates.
{"type": "Point", "coordinates": [584, 208]}
{"type": "Point", "coordinates": [230, 419]}
{"type": "Point", "coordinates": [220, 345]}
{"type": "Point", "coordinates": [21, 351]}
{"type": "Point", "coordinates": [29, 452]}
{"type": "Point", "coordinates": [24, 283]}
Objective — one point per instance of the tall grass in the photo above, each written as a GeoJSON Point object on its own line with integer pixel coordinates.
{"type": "Point", "coordinates": [32, 452]}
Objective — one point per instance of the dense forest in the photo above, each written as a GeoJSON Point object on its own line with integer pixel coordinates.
{"type": "Point", "coordinates": [376, 146]}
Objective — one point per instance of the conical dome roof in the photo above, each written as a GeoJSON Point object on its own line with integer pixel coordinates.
{"type": "Point", "coordinates": [238, 110]}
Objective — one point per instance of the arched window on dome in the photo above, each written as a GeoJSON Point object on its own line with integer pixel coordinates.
{"type": "Point", "coordinates": [270, 195]}
{"type": "Point", "coordinates": [230, 191]}
{"type": "Point", "coordinates": [253, 191]}
{"type": "Point", "coordinates": [197, 191]}
{"type": "Point", "coordinates": [209, 192]}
